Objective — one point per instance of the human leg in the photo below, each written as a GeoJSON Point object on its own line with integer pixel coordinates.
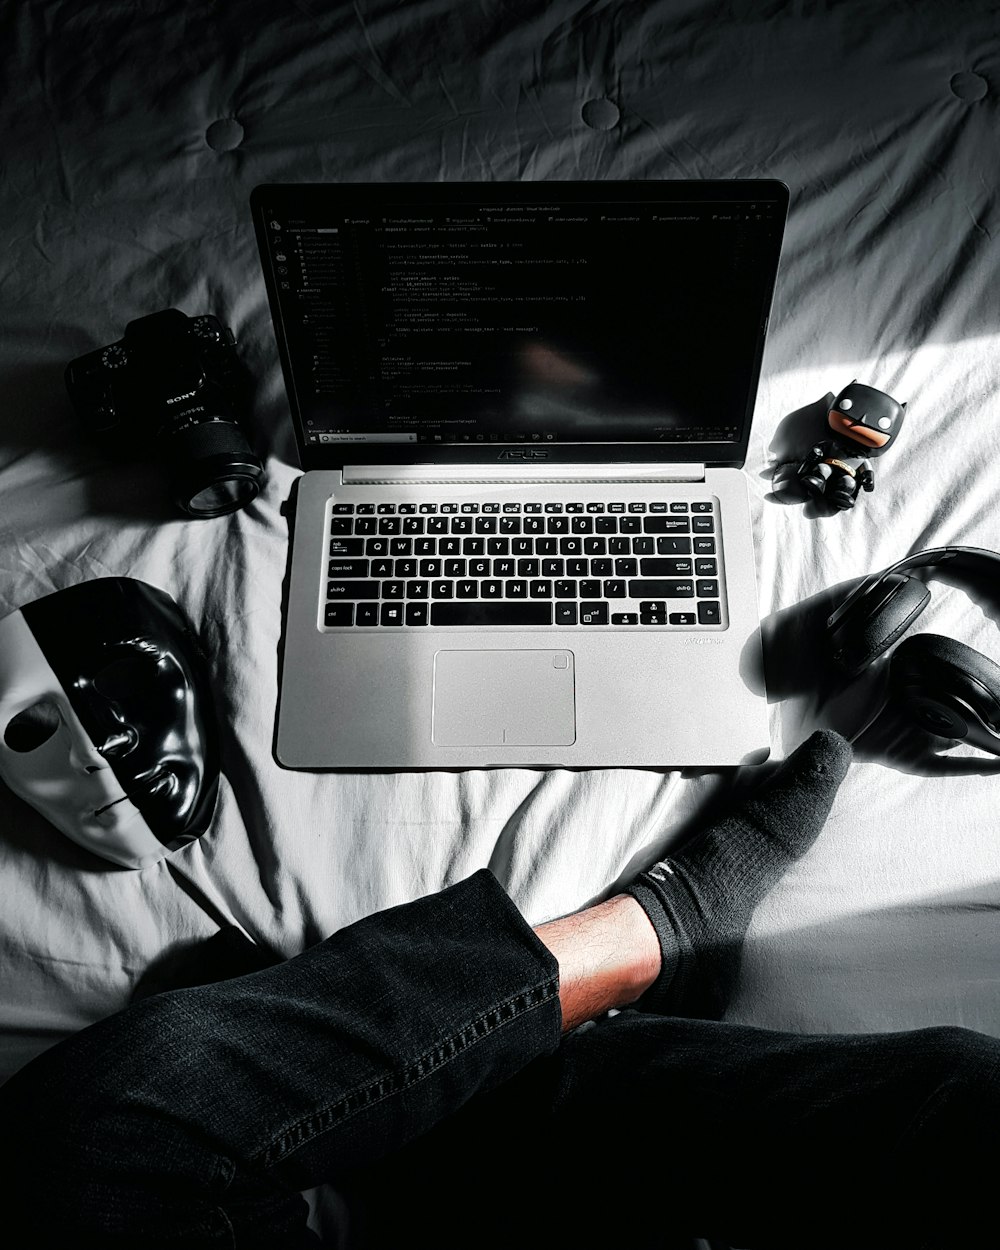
{"type": "Point", "coordinates": [773, 1140]}
{"type": "Point", "coordinates": [196, 1117]}
{"type": "Point", "coordinates": [646, 1125]}
{"type": "Point", "coordinates": [234, 1077]}
{"type": "Point", "coordinates": [647, 1131]}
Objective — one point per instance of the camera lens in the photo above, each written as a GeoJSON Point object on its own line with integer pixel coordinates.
{"type": "Point", "coordinates": [214, 470]}
{"type": "Point", "coordinates": [222, 497]}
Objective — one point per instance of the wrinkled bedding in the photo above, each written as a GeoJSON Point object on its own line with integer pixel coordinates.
{"type": "Point", "coordinates": [131, 138]}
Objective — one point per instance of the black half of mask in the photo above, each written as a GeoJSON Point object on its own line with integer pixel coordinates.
{"type": "Point", "coordinates": [134, 672]}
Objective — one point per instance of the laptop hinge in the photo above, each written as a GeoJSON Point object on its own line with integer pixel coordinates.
{"type": "Point", "coordinates": [519, 472]}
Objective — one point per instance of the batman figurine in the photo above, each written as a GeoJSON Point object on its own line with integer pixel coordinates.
{"type": "Point", "coordinates": [864, 423]}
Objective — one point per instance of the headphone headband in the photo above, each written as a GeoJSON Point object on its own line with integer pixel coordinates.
{"type": "Point", "coordinates": [977, 559]}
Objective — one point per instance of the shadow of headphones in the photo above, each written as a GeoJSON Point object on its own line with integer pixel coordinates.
{"type": "Point", "coordinates": [947, 688]}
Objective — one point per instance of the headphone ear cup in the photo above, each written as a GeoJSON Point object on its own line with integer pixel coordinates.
{"type": "Point", "coordinates": [880, 616]}
{"type": "Point", "coordinates": [928, 668]}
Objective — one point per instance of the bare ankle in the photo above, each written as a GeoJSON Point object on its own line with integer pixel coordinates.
{"type": "Point", "coordinates": [608, 956]}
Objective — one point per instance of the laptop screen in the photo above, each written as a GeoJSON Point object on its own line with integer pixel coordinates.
{"type": "Point", "coordinates": [418, 321]}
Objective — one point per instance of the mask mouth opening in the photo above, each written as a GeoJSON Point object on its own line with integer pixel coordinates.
{"type": "Point", "coordinates": [113, 803]}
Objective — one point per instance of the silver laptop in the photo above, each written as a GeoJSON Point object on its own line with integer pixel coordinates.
{"type": "Point", "coordinates": [523, 535]}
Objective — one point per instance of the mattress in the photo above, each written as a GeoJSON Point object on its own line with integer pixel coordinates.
{"type": "Point", "coordinates": [131, 140]}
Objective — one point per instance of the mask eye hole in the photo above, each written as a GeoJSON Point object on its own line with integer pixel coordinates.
{"type": "Point", "coordinates": [31, 727]}
{"type": "Point", "coordinates": [130, 675]}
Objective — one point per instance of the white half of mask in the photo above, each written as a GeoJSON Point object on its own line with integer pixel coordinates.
{"type": "Point", "coordinates": [61, 774]}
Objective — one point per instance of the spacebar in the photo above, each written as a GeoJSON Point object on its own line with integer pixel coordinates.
{"type": "Point", "coordinates": [479, 612]}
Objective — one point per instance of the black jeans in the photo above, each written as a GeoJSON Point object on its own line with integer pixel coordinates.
{"type": "Point", "coordinates": [414, 1059]}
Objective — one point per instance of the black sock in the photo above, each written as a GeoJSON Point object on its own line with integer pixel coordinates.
{"type": "Point", "coordinates": [700, 900]}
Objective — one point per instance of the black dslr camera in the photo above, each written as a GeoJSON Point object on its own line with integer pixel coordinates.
{"type": "Point", "coordinates": [174, 387]}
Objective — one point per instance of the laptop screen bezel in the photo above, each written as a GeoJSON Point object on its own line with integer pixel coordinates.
{"type": "Point", "coordinates": [311, 199]}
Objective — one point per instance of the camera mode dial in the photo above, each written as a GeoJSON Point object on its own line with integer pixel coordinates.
{"type": "Point", "coordinates": [203, 328]}
{"type": "Point", "coordinates": [114, 357]}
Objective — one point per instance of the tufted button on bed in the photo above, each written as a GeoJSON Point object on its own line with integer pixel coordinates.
{"type": "Point", "coordinates": [224, 135]}
{"type": "Point", "coordinates": [600, 114]}
{"type": "Point", "coordinates": [969, 86]}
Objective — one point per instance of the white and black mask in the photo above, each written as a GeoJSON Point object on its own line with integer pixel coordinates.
{"type": "Point", "coordinates": [107, 725]}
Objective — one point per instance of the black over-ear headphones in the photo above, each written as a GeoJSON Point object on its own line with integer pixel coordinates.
{"type": "Point", "coordinates": [946, 687]}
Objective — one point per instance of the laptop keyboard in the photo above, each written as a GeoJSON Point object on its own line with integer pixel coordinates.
{"type": "Point", "coordinates": [521, 565]}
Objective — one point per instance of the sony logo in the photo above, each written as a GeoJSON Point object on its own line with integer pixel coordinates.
{"type": "Point", "coordinates": [178, 398]}
{"type": "Point", "coordinates": [523, 453]}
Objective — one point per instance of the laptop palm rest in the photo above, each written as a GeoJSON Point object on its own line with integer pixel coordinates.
{"type": "Point", "coordinates": [515, 698]}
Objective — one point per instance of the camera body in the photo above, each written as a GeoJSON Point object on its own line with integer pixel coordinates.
{"type": "Point", "coordinates": [173, 387]}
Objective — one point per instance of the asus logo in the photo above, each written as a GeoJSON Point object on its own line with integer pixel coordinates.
{"type": "Point", "coordinates": [523, 453]}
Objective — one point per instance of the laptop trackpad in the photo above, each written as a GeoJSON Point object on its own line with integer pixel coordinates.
{"type": "Point", "coordinates": [513, 698]}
